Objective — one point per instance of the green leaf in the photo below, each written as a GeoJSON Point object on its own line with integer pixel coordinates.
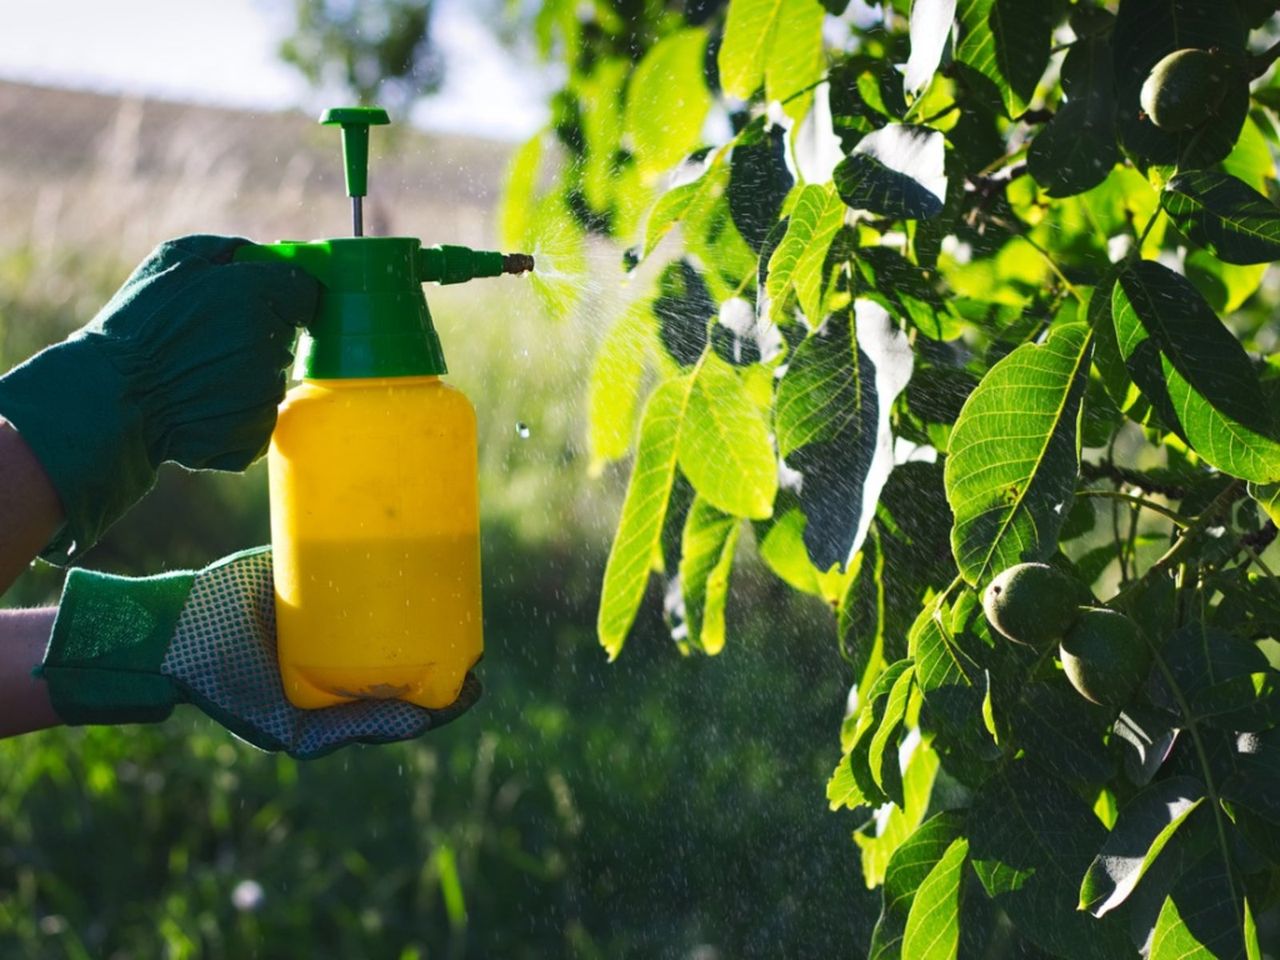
{"type": "Point", "coordinates": [644, 509]}
{"type": "Point", "coordinates": [782, 549]}
{"type": "Point", "coordinates": [759, 182]}
{"type": "Point", "coordinates": [866, 93]}
{"type": "Point", "coordinates": [1064, 734]}
{"type": "Point", "coordinates": [933, 926]}
{"type": "Point", "coordinates": [600, 95]}
{"type": "Point", "coordinates": [1224, 215]}
{"type": "Point", "coordinates": [917, 786]}
{"type": "Point", "coordinates": [1204, 917]}
{"type": "Point", "coordinates": [897, 171]}
{"type": "Point", "coordinates": [1250, 160]}
{"type": "Point", "coordinates": [1013, 460]}
{"type": "Point", "coordinates": [708, 542]}
{"type": "Point", "coordinates": [1268, 497]}
{"type": "Point", "coordinates": [1255, 785]}
{"type": "Point", "coordinates": [1252, 945]}
{"type": "Point", "coordinates": [1077, 148]}
{"type": "Point", "coordinates": [930, 29]}
{"type": "Point", "coordinates": [724, 446]}
{"type": "Point", "coordinates": [1194, 372]}
{"type": "Point", "coordinates": [907, 291]}
{"type": "Point", "coordinates": [668, 210]}
{"type": "Point", "coordinates": [668, 100]}
{"type": "Point", "coordinates": [613, 391]}
{"type": "Point", "coordinates": [1224, 286]}
{"type": "Point", "coordinates": [910, 864]}
{"type": "Point", "coordinates": [795, 59]}
{"type": "Point", "coordinates": [1007, 41]}
{"type": "Point", "coordinates": [683, 308]}
{"type": "Point", "coordinates": [1144, 827]}
{"type": "Point", "coordinates": [951, 680]}
{"type": "Point", "coordinates": [748, 30]}
{"type": "Point", "coordinates": [832, 424]}
{"type": "Point", "coordinates": [1248, 701]}
{"type": "Point", "coordinates": [685, 200]}
{"type": "Point", "coordinates": [521, 188]}
{"type": "Point", "coordinates": [864, 611]}
{"type": "Point", "coordinates": [1030, 841]}
{"type": "Point", "coordinates": [860, 786]}
{"type": "Point", "coordinates": [882, 755]}
{"type": "Point", "coordinates": [905, 555]}
{"type": "Point", "coordinates": [1199, 656]}
{"type": "Point", "coordinates": [1106, 354]}
{"type": "Point", "coordinates": [842, 788]}
{"type": "Point", "coordinates": [797, 262]}
{"type": "Point", "coordinates": [762, 37]}
{"type": "Point", "coordinates": [781, 546]}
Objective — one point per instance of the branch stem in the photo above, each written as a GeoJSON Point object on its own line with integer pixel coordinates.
{"type": "Point", "coordinates": [1181, 521]}
{"type": "Point", "coordinates": [1190, 535]}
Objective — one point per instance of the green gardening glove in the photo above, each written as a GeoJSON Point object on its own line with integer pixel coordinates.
{"type": "Point", "coordinates": [127, 650]}
{"type": "Point", "coordinates": [185, 363]}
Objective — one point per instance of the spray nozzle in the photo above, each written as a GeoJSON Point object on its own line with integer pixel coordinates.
{"type": "Point", "coordinates": [517, 263]}
{"type": "Point", "coordinates": [448, 263]}
{"type": "Point", "coordinates": [355, 123]}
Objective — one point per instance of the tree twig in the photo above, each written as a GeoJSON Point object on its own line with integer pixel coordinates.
{"type": "Point", "coordinates": [1109, 470]}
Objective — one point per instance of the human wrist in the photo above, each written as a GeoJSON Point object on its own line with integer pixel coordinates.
{"type": "Point", "coordinates": [24, 700]}
{"type": "Point", "coordinates": [74, 411]}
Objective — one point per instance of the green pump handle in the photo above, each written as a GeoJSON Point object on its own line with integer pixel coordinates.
{"type": "Point", "coordinates": [355, 123]}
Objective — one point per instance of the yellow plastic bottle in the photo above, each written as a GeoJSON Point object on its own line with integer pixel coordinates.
{"type": "Point", "coordinates": [375, 526]}
{"type": "Point", "coordinates": [374, 503]}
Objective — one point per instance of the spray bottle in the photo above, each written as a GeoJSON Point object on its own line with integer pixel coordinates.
{"type": "Point", "coordinates": [373, 469]}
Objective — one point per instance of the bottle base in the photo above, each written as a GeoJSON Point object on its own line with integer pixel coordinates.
{"type": "Point", "coordinates": [313, 688]}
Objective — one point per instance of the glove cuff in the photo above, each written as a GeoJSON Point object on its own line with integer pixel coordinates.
{"type": "Point", "coordinates": [108, 641]}
{"type": "Point", "coordinates": [71, 407]}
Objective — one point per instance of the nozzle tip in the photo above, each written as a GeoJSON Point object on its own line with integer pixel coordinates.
{"type": "Point", "coordinates": [517, 262]}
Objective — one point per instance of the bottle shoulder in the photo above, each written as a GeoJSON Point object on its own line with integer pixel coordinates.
{"type": "Point", "coordinates": [310, 397]}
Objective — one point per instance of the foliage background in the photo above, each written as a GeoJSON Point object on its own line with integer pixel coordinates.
{"type": "Point", "coordinates": [653, 808]}
{"type": "Point", "coordinates": [815, 186]}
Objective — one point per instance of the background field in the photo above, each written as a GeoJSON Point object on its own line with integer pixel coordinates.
{"type": "Point", "coordinates": [654, 808]}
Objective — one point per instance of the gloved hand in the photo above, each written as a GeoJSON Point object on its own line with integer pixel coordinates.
{"type": "Point", "coordinates": [185, 363]}
{"type": "Point", "coordinates": [127, 650]}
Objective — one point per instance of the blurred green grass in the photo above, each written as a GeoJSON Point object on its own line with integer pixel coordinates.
{"type": "Point", "coordinates": [656, 807]}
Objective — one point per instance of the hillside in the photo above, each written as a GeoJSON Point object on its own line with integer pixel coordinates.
{"type": "Point", "coordinates": [84, 168]}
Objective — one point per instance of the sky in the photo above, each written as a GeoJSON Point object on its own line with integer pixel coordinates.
{"type": "Point", "coordinates": [224, 53]}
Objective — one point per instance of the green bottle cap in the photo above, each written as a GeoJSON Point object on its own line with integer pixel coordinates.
{"type": "Point", "coordinates": [355, 123]}
{"type": "Point", "coordinates": [373, 320]}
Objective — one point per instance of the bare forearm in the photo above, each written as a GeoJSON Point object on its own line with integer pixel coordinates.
{"type": "Point", "coordinates": [30, 513]}
{"type": "Point", "coordinates": [24, 700]}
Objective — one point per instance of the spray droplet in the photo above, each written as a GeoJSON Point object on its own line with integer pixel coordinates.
{"type": "Point", "coordinates": [247, 895]}
{"type": "Point", "coordinates": [522, 430]}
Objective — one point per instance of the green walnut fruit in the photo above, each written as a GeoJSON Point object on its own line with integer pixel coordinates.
{"type": "Point", "coordinates": [1104, 656]}
{"type": "Point", "coordinates": [1182, 91]}
{"type": "Point", "coordinates": [1033, 603]}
